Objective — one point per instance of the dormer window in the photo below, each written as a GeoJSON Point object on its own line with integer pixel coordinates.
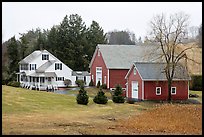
{"type": "Point", "coordinates": [98, 53]}
{"type": "Point", "coordinates": [45, 57]}
{"type": "Point", "coordinates": [58, 66]}
{"type": "Point", "coordinates": [32, 66]}
{"type": "Point", "coordinates": [135, 71]}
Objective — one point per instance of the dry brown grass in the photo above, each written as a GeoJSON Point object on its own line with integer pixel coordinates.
{"type": "Point", "coordinates": [194, 63]}
{"type": "Point", "coordinates": [166, 119]}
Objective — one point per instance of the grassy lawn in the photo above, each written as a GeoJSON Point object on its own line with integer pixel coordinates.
{"type": "Point", "coordinates": [37, 112]}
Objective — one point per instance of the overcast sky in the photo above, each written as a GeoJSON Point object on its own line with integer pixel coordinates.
{"type": "Point", "coordinates": [20, 17]}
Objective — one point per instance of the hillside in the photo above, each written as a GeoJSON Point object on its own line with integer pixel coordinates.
{"type": "Point", "coordinates": [194, 55]}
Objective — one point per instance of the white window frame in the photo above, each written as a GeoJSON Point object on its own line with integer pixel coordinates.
{"type": "Point", "coordinates": [98, 53]}
{"type": "Point", "coordinates": [134, 71]}
{"type": "Point", "coordinates": [175, 91]}
{"type": "Point", "coordinates": [156, 90]}
{"type": "Point", "coordinates": [33, 66]}
{"type": "Point", "coordinates": [46, 56]}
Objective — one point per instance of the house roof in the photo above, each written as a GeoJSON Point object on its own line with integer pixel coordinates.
{"type": "Point", "coordinates": [43, 67]}
{"type": "Point", "coordinates": [80, 73]}
{"type": "Point", "coordinates": [155, 71]}
{"type": "Point", "coordinates": [122, 56]}
{"type": "Point", "coordinates": [34, 55]}
{"type": "Point", "coordinates": [44, 74]}
{"type": "Point", "coordinates": [30, 57]}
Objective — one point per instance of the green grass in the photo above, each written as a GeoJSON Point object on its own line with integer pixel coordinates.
{"type": "Point", "coordinates": [199, 93]}
{"type": "Point", "coordinates": [38, 112]}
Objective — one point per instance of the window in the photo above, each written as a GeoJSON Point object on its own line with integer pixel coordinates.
{"type": "Point", "coordinates": [42, 80]}
{"type": "Point", "coordinates": [45, 57]}
{"type": "Point", "coordinates": [58, 66]}
{"type": "Point", "coordinates": [134, 71]}
{"type": "Point", "coordinates": [173, 90]}
{"type": "Point", "coordinates": [158, 90]}
{"type": "Point", "coordinates": [59, 78]}
{"type": "Point", "coordinates": [98, 53]}
{"type": "Point", "coordinates": [32, 66]}
{"type": "Point", "coordinates": [24, 67]}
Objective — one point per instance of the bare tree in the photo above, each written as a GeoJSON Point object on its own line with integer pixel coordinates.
{"type": "Point", "coordinates": [169, 34]}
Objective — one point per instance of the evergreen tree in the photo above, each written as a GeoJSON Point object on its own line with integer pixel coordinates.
{"type": "Point", "coordinates": [100, 98]}
{"type": "Point", "coordinates": [23, 46]}
{"type": "Point", "coordinates": [13, 56]}
{"type": "Point", "coordinates": [117, 95]}
{"type": "Point", "coordinates": [82, 97]}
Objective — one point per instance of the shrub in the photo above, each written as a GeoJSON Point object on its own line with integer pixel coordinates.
{"type": "Point", "coordinates": [91, 83]}
{"type": "Point", "coordinates": [82, 97]}
{"type": "Point", "coordinates": [98, 84]}
{"type": "Point", "coordinates": [79, 83]}
{"type": "Point", "coordinates": [104, 86]}
{"type": "Point", "coordinates": [14, 84]}
{"type": "Point", "coordinates": [67, 82]}
{"type": "Point", "coordinates": [130, 100]}
{"type": "Point", "coordinates": [196, 82]}
{"type": "Point", "coordinates": [100, 98]}
{"type": "Point", "coordinates": [118, 95]}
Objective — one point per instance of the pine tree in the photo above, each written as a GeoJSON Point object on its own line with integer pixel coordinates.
{"type": "Point", "coordinates": [117, 95]}
{"type": "Point", "coordinates": [82, 97]}
{"type": "Point", "coordinates": [13, 56]}
{"type": "Point", "coordinates": [100, 98]}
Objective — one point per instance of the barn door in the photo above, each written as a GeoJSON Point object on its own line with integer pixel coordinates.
{"type": "Point", "coordinates": [98, 75]}
{"type": "Point", "coordinates": [135, 89]}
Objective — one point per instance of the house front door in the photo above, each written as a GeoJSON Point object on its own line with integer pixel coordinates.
{"type": "Point", "coordinates": [99, 75]}
{"type": "Point", "coordinates": [135, 89]}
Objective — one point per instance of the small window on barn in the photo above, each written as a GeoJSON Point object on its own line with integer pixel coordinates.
{"type": "Point", "coordinates": [173, 90]}
{"type": "Point", "coordinates": [98, 53]}
{"type": "Point", "coordinates": [135, 71]}
{"type": "Point", "coordinates": [158, 90]}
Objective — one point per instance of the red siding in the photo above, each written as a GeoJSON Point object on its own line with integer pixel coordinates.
{"type": "Point", "coordinates": [117, 76]}
{"type": "Point", "coordinates": [150, 90]}
{"type": "Point", "coordinates": [137, 78]}
{"type": "Point", "coordinates": [98, 62]}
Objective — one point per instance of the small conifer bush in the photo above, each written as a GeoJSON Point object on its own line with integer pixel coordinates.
{"type": "Point", "coordinates": [100, 98]}
{"type": "Point", "coordinates": [117, 96]}
{"type": "Point", "coordinates": [82, 97]}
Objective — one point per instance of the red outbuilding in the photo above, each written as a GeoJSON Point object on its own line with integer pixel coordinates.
{"type": "Point", "coordinates": [147, 81]}
{"type": "Point", "coordinates": [110, 63]}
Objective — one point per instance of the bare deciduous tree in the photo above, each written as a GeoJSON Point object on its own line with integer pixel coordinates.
{"type": "Point", "coordinates": [170, 33]}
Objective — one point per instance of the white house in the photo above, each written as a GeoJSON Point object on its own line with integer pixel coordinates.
{"type": "Point", "coordinates": [42, 70]}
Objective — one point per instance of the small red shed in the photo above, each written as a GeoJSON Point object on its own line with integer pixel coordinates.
{"type": "Point", "coordinates": [110, 63]}
{"type": "Point", "coordinates": [147, 81]}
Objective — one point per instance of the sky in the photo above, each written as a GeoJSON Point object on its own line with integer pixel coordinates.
{"type": "Point", "coordinates": [20, 17]}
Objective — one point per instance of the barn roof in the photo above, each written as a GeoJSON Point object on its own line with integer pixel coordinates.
{"type": "Point", "coordinates": [155, 71]}
{"type": "Point", "coordinates": [122, 56]}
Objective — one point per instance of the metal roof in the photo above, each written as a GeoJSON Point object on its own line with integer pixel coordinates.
{"type": "Point", "coordinates": [155, 71]}
{"type": "Point", "coordinates": [44, 74]}
{"type": "Point", "coordinates": [122, 56]}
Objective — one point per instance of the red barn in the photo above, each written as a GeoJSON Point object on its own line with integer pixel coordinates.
{"type": "Point", "coordinates": [110, 63]}
{"type": "Point", "coordinates": [147, 81]}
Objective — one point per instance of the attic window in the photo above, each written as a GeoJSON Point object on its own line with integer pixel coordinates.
{"type": "Point", "coordinates": [45, 57]}
{"type": "Point", "coordinates": [98, 53]}
{"type": "Point", "coordinates": [134, 71]}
